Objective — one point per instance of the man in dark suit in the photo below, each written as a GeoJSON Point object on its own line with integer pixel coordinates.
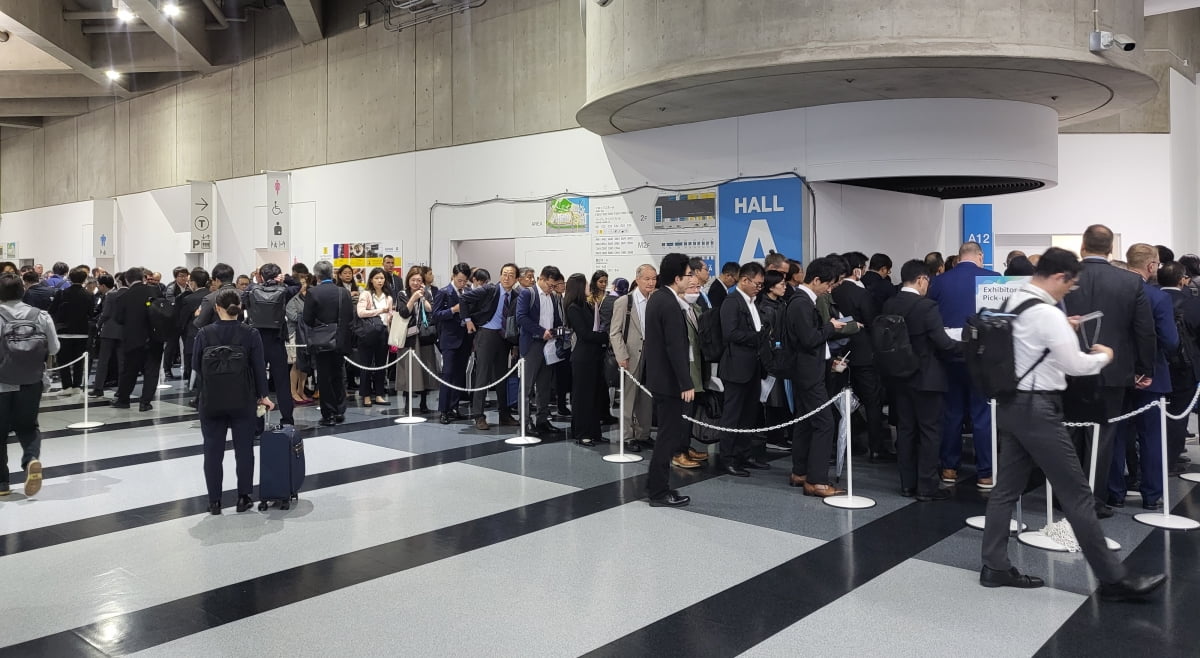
{"type": "Point", "coordinates": [71, 309]}
{"type": "Point", "coordinates": [854, 300]}
{"type": "Point", "coordinates": [920, 397]}
{"type": "Point", "coordinates": [701, 274]}
{"type": "Point", "coordinates": [954, 293]}
{"type": "Point", "coordinates": [38, 293]}
{"type": "Point", "coordinates": [455, 334]}
{"type": "Point", "coordinates": [878, 279]}
{"type": "Point", "coordinates": [329, 303]}
{"type": "Point", "coordinates": [110, 358]}
{"type": "Point", "coordinates": [719, 289]}
{"type": "Point", "coordinates": [539, 314]}
{"type": "Point", "coordinates": [806, 337]}
{"type": "Point", "coordinates": [1172, 279]}
{"type": "Point", "coordinates": [487, 307]}
{"type": "Point", "coordinates": [1128, 327]}
{"type": "Point", "coordinates": [739, 370]}
{"type": "Point", "coordinates": [175, 292]}
{"type": "Point", "coordinates": [390, 278]}
{"type": "Point", "coordinates": [143, 352]}
{"type": "Point", "coordinates": [668, 375]}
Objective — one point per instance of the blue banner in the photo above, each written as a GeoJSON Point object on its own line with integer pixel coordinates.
{"type": "Point", "coordinates": [977, 227]}
{"type": "Point", "coordinates": [759, 216]}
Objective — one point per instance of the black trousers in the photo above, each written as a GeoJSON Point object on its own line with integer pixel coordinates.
{"type": "Point", "coordinates": [539, 378]}
{"type": "Point", "coordinates": [1115, 400]}
{"type": "Point", "coordinates": [812, 443]}
{"type": "Point", "coordinates": [587, 380]}
{"type": "Point", "coordinates": [491, 361]}
{"type": "Point", "coordinates": [143, 360]}
{"type": "Point", "coordinates": [214, 429]}
{"type": "Point", "coordinates": [673, 437]}
{"type": "Point", "coordinates": [372, 352]}
{"type": "Point", "coordinates": [454, 370]}
{"type": "Point", "coordinates": [864, 380]}
{"type": "Point", "coordinates": [188, 344]}
{"type": "Point", "coordinates": [331, 383]}
{"type": "Point", "coordinates": [72, 376]}
{"type": "Point", "coordinates": [170, 354]}
{"type": "Point", "coordinates": [18, 413]}
{"type": "Point", "coordinates": [280, 372]}
{"type": "Point", "coordinates": [563, 380]}
{"type": "Point", "coordinates": [740, 411]}
{"type": "Point", "coordinates": [109, 364]}
{"type": "Point", "coordinates": [918, 437]}
{"type": "Point", "coordinates": [1031, 434]}
{"type": "Point", "coordinates": [1177, 429]}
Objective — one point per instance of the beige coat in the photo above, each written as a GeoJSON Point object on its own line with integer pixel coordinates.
{"type": "Point", "coordinates": [622, 349]}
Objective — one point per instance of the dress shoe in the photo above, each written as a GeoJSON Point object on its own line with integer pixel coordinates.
{"type": "Point", "coordinates": [587, 442]}
{"type": "Point", "coordinates": [885, 457]}
{"type": "Point", "coordinates": [603, 439]}
{"type": "Point", "coordinates": [5, 489]}
{"type": "Point", "coordinates": [382, 401]}
{"type": "Point", "coordinates": [120, 404]}
{"type": "Point", "coordinates": [940, 494]}
{"type": "Point", "coordinates": [1012, 578]}
{"type": "Point", "coordinates": [244, 503]}
{"type": "Point", "coordinates": [696, 455]}
{"type": "Point", "coordinates": [646, 443]}
{"type": "Point", "coordinates": [95, 394]}
{"type": "Point", "coordinates": [1132, 587]}
{"type": "Point", "coordinates": [326, 422]}
{"type": "Point", "coordinates": [672, 499]}
{"type": "Point", "coordinates": [458, 415]}
{"type": "Point", "coordinates": [445, 419]}
{"type": "Point", "coordinates": [633, 446]}
{"type": "Point", "coordinates": [145, 406]}
{"type": "Point", "coordinates": [509, 421]}
{"type": "Point", "coordinates": [986, 484]}
{"type": "Point", "coordinates": [339, 419]}
{"type": "Point", "coordinates": [732, 468]}
{"type": "Point", "coordinates": [1104, 511]}
{"type": "Point", "coordinates": [33, 477]}
{"type": "Point", "coordinates": [821, 490]}
{"type": "Point", "coordinates": [367, 403]}
{"type": "Point", "coordinates": [1184, 459]}
{"type": "Point", "coordinates": [908, 492]}
{"type": "Point", "coordinates": [779, 446]}
{"type": "Point", "coordinates": [949, 475]}
{"type": "Point", "coordinates": [545, 428]}
{"type": "Point", "coordinates": [796, 480]}
{"type": "Point", "coordinates": [214, 508]}
{"type": "Point", "coordinates": [756, 464]}
{"type": "Point", "coordinates": [1152, 505]}
{"type": "Point", "coordinates": [682, 461]}
{"type": "Point", "coordinates": [1113, 502]}
{"type": "Point", "coordinates": [481, 424]}
{"type": "Point", "coordinates": [564, 411]}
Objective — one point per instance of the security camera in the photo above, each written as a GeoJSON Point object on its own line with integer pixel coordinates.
{"type": "Point", "coordinates": [1101, 41]}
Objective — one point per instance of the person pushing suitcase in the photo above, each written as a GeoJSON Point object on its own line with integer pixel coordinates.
{"type": "Point", "coordinates": [232, 380]}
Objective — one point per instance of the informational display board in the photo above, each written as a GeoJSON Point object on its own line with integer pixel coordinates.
{"type": "Point", "coordinates": [104, 228]}
{"type": "Point", "coordinates": [202, 215]}
{"type": "Point", "coordinates": [993, 291]}
{"type": "Point", "coordinates": [279, 210]}
{"type": "Point", "coordinates": [362, 256]}
{"type": "Point", "coordinates": [977, 227]}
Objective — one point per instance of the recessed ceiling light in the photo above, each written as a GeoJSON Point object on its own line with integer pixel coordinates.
{"type": "Point", "coordinates": [112, 74]}
{"type": "Point", "coordinates": [124, 15]}
{"type": "Point", "coordinates": [171, 10]}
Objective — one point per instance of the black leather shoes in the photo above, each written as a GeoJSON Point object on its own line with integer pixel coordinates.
{"type": "Point", "coordinates": [214, 508]}
{"type": "Point", "coordinates": [882, 458]}
{"type": "Point", "coordinates": [1011, 578]}
{"type": "Point", "coordinates": [1152, 505]}
{"type": "Point", "coordinates": [326, 422]}
{"type": "Point", "coordinates": [1104, 512]}
{"type": "Point", "coordinates": [731, 468]}
{"type": "Point", "coordinates": [908, 493]}
{"type": "Point", "coordinates": [940, 494]}
{"type": "Point", "coordinates": [756, 464]}
{"type": "Point", "coordinates": [145, 406]}
{"type": "Point", "coordinates": [633, 446]}
{"type": "Point", "coordinates": [119, 404]}
{"type": "Point", "coordinates": [545, 428]}
{"type": "Point", "coordinates": [446, 419]}
{"type": "Point", "coordinates": [672, 499]}
{"type": "Point", "coordinates": [244, 503]}
{"type": "Point", "coordinates": [1132, 587]}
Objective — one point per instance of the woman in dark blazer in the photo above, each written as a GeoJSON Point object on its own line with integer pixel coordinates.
{"type": "Point", "coordinates": [770, 304]}
{"type": "Point", "coordinates": [587, 361]}
{"type": "Point", "coordinates": [215, 423]}
{"type": "Point", "coordinates": [415, 303]}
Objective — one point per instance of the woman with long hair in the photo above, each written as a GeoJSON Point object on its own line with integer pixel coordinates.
{"type": "Point", "coordinates": [587, 360]}
{"type": "Point", "coordinates": [770, 310]}
{"type": "Point", "coordinates": [298, 356]}
{"type": "Point", "coordinates": [374, 302]}
{"type": "Point", "coordinates": [228, 397]}
{"type": "Point", "coordinates": [415, 303]}
{"type": "Point", "coordinates": [600, 299]}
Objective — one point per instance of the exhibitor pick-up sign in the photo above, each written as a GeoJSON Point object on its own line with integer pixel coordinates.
{"type": "Point", "coordinates": [993, 291]}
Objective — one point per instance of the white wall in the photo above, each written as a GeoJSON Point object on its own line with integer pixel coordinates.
{"type": "Point", "coordinates": [1185, 165]}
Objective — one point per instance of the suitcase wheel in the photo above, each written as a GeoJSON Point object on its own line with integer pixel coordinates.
{"type": "Point", "coordinates": [285, 505]}
{"type": "Point", "coordinates": [262, 507]}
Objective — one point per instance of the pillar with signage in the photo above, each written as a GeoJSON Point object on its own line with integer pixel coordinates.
{"type": "Point", "coordinates": [104, 233]}
{"type": "Point", "coordinates": [203, 218]}
{"type": "Point", "coordinates": [977, 227]}
{"type": "Point", "coordinates": [279, 211]}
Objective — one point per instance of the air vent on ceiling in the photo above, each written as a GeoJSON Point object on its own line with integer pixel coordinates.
{"type": "Point", "coordinates": [949, 187]}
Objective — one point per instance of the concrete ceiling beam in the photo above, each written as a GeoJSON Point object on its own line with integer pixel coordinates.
{"type": "Point", "coordinates": [306, 14]}
{"type": "Point", "coordinates": [43, 107]}
{"type": "Point", "coordinates": [41, 24]}
{"type": "Point", "coordinates": [54, 86]}
{"type": "Point", "coordinates": [185, 33]}
{"type": "Point", "coordinates": [21, 123]}
{"type": "Point", "coordinates": [138, 53]}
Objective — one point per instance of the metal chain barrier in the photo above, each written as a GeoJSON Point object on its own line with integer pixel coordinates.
{"type": "Point", "coordinates": [469, 390]}
{"type": "Point", "coordinates": [67, 365]}
{"type": "Point", "coordinates": [377, 368]}
{"type": "Point", "coordinates": [1189, 409]}
{"type": "Point", "coordinates": [755, 430]}
{"type": "Point", "coordinates": [1142, 410]}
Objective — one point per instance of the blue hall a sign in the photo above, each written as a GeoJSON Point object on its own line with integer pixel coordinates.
{"type": "Point", "coordinates": [760, 216]}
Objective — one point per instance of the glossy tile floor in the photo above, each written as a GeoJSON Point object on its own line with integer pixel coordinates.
{"type": "Point", "coordinates": [433, 540]}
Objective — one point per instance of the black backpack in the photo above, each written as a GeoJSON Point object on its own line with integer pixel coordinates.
{"type": "Point", "coordinates": [894, 355]}
{"type": "Point", "coordinates": [989, 354]}
{"type": "Point", "coordinates": [267, 306]}
{"type": "Point", "coordinates": [712, 344]}
{"type": "Point", "coordinates": [1184, 360]}
{"type": "Point", "coordinates": [227, 386]}
{"type": "Point", "coordinates": [163, 323]}
{"type": "Point", "coordinates": [23, 350]}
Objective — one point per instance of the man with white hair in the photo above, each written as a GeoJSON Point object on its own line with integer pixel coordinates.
{"type": "Point", "coordinates": [626, 333]}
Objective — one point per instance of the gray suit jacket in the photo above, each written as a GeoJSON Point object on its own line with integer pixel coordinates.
{"type": "Point", "coordinates": [623, 349]}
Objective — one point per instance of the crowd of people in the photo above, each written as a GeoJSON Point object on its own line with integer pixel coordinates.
{"type": "Point", "coordinates": [755, 345]}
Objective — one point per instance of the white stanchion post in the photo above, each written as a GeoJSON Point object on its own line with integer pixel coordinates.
{"type": "Point", "coordinates": [410, 419]}
{"type": "Point", "coordinates": [979, 522]}
{"type": "Point", "coordinates": [849, 500]}
{"type": "Point", "coordinates": [86, 424]}
{"type": "Point", "coordinates": [1038, 539]}
{"type": "Point", "coordinates": [1165, 520]}
{"type": "Point", "coordinates": [522, 439]}
{"type": "Point", "coordinates": [621, 457]}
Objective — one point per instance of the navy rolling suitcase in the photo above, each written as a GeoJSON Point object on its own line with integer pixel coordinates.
{"type": "Point", "coordinates": [280, 466]}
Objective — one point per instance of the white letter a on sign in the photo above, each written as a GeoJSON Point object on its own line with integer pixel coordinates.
{"type": "Point", "coordinates": [757, 235]}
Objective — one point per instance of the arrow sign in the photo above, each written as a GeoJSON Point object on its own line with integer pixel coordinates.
{"type": "Point", "coordinates": [203, 204]}
{"type": "Point", "coordinates": [202, 220]}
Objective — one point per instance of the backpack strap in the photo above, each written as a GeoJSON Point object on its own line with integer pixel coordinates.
{"type": "Point", "coordinates": [1021, 308]}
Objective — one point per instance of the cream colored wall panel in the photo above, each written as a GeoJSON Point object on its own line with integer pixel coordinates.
{"type": "Point", "coordinates": [121, 173]}
{"type": "Point", "coordinates": [21, 169]}
{"type": "Point", "coordinates": [97, 154]}
{"type": "Point", "coordinates": [153, 140]}
{"type": "Point", "coordinates": [307, 128]}
{"type": "Point", "coordinates": [366, 92]}
{"type": "Point", "coordinates": [242, 128]}
{"type": "Point", "coordinates": [62, 171]}
{"type": "Point", "coordinates": [205, 130]}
